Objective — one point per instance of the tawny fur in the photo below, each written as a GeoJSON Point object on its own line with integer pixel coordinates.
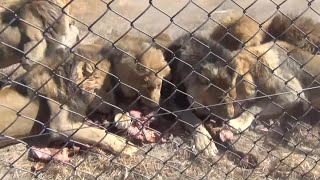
{"type": "Point", "coordinates": [211, 74]}
{"type": "Point", "coordinates": [275, 69]}
{"type": "Point", "coordinates": [195, 72]}
{"type": "Point", "coordinates": [238, 30]}
{"type": "Point", "coordinates": [27, 35]}
{"type": "Point", "coordinates": [302, 32]}
{"type": "Point", "coordinates": [86, 84]}
{"type": "Point", "coordinates": [67, 103]}
{"type": "Point", "coordinates": [141, 68]}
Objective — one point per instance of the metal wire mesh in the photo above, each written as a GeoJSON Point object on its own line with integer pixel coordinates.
{"type": "Point", "coordinates": [63, 90]}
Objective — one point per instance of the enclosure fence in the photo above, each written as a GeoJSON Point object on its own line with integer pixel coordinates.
{"type": "Point", "coordinates": [278, 145]}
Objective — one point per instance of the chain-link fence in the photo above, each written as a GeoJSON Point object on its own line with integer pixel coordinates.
{"type": "Point", "coordinates": [163, 89]}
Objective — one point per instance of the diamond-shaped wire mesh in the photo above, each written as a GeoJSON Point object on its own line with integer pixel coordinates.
{"type": "Point", "coordinates": [195, 89]}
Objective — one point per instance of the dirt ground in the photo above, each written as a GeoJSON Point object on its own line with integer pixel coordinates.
{"type": "Point", "coordinates": [176, 158]}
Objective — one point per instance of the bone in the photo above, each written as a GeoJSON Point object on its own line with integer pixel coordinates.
{"type": "Point", "coordinates": [137, 126]}
{"type": "Point", "coordinates": [46, 154]}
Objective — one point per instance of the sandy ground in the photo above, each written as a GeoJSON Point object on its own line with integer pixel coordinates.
{"type": "Point", "coordinates": [176, 158]}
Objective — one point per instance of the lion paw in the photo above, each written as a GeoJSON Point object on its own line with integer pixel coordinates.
{"type": "Point", "coordinates": [129, 149]}
{"type": "Point", "coordinates": [119, 145]}
{"type": "Point", "coordinates": [239, 125]}
{"type": "Point", "coordinates": [202, 141]}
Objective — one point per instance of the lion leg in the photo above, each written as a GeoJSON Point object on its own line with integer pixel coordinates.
{"type": "Point", "coordinates": [202, 138]}
{"type": "Point", "coordinates": [78, 131]}
{"type": "Point", "coordinates": [18, 114]}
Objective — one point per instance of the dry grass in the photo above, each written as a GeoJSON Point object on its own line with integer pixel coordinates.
{"type": "Point", "coordinates": [176, 158]}
{"type": "Point", "coordinates": [170, 161]}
